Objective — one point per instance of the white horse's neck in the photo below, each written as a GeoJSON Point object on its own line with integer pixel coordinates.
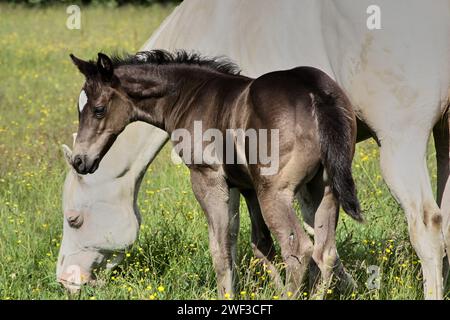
{"type": "Point", "coordinates": [129, 155]}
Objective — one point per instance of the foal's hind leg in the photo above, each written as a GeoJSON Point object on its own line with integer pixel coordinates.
{"type": "Point", "coordinates": [221, 206]}
{"type": "Point", "coordinates": [325, 254]}
{"type": "Point", "coordinates": [262, 243]}
{"type": "Point", "coordinates": [310, 197]}
{"type": "Point", "coordinates": [296, 247]}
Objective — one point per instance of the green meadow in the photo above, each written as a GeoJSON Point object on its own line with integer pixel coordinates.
{"type": "Point", "coordinates": [39, 89]}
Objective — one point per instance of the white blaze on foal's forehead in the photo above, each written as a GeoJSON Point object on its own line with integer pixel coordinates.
{"type": "Point", "coordinates": [141, 56]}
{"type": "Point", "coordinates": [82, 100]}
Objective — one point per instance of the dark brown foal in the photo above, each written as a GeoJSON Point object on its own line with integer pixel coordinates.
{"type": "Point", "coordinates": [300, 115]}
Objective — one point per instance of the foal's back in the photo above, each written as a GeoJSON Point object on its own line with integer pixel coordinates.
{"type": "Point", "coordinates": [317, 128]}
{"type": "Point", "coordinates": [287, 96]}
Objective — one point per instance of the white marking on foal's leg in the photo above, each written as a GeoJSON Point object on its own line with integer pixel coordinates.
{"type": "Point", "coordinates": [309, 230]}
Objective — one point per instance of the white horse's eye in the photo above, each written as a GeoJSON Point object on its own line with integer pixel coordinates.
{"type": "Point", "coordinates": [82, 100]}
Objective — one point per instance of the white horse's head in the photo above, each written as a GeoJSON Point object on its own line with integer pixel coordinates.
{"type": "Point", "coordinates": [101, 219]}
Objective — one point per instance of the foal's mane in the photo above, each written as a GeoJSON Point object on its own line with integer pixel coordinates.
{"type": "Point", "coordinates": [162, 57]}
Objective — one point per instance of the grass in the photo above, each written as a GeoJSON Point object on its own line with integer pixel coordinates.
{"type": "Point", "coordinates": [170, 260]}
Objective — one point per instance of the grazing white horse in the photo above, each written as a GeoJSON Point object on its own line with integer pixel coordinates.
{"type": "Point", "coordinates": [397, 77]}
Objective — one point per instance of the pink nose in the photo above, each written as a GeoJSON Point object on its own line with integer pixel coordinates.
{"type": "Point", "coordinates": [73, 278]}
{"type": "Point", "coordinates": [74, 218]}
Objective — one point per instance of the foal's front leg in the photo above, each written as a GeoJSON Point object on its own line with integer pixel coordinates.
{"type": "Point", "coordinates": [221, 206]}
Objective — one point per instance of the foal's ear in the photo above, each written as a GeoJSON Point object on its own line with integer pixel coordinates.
{"type": "Point", "coordinates": [88, 69]}
{"type": "Point", "coordinates": [105, 67]}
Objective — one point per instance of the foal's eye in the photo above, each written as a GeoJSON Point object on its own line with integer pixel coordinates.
{"type": "Point", "coordinates": [99, 111]}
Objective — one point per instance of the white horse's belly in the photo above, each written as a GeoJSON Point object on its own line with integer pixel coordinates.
{"type": "Point", "coordinates": [396, 77]}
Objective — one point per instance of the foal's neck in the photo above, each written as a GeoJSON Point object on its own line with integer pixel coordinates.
{"type": "Point", "coordinates": [177, 86]}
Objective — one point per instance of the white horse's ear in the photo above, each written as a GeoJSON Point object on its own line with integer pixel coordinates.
{"type": "Point", "coordinates": [67, 154]}
{"type": "Point", "coordinates": [74, 136]}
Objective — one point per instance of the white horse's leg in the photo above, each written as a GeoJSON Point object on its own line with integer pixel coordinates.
{"type": "Point", "coordinates": [441, 143]}
{"type": "Point", "coordinates": [404, 169]}
{"type": "Point", "coordinates": [445, 209]}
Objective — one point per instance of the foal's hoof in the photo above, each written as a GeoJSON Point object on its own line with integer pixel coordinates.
{"type": "Point", "coordinates": [346, 283]}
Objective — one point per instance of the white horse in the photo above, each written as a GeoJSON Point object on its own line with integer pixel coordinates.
{"type": "Point", "coordinates": [398, 78]}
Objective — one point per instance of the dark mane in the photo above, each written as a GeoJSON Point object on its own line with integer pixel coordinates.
{"type": "Point", "coordinates": [160, 57]}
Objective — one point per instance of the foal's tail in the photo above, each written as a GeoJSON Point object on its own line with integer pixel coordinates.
{"type": "Point", "coordinates": [336, 125]}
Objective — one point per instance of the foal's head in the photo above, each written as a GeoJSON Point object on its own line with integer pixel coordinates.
{"type": "Point", "coordinates": [136, 87]}
{"type": "Point", "coordinates": [104, 111]}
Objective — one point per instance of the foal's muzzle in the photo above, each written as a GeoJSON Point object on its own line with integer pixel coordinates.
{"type": "Point", "coordinates": [83, 165]}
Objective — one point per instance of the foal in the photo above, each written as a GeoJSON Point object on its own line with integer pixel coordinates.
{"type": "Point", "coordinates": [305, 111]}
